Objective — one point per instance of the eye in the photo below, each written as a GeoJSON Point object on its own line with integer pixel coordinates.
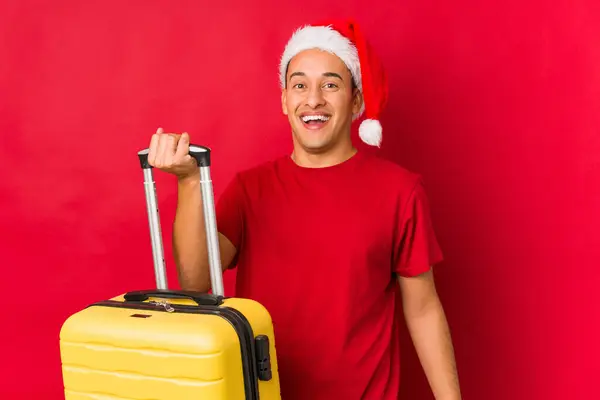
{"type": "Point", "coordinates": [331, 86]}
{"type": "Point", "coordinates": [299, 86]}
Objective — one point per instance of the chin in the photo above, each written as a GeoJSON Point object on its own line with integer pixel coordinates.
{"type": "Point", "coordinates": [314, 145]}
{"type": "Point", "coordinates": [315, 148]}
{"type": "Point", "coordinates": [311, 139]}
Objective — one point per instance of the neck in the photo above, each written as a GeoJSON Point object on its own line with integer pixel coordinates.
{"type": "Point", "coordinates": [327, 158]}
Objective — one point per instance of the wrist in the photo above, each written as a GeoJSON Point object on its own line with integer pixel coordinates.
{"type": "Point", "coordinates": [189, 180]}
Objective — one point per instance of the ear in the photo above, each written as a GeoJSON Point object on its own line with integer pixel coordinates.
{"type": "Point", "coordinates": [357, 101]}
{"type": "Point", "coordinates": [283, 101]}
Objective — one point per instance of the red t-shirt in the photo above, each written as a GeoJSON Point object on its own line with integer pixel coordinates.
{"type": "Point", "coordinates": [319, 248]}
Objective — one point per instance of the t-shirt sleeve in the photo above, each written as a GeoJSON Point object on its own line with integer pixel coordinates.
{"type": "Point", "coordinates": [415, 247]}
{"type": "Point", "coordinates": [230, 216]}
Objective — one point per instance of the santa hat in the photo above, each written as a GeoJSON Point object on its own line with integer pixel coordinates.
{"type": "Point", "coordinates": [346, 41]}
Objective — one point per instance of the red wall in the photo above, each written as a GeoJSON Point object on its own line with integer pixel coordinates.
{"type": "Point", "coordinates": [497, 105]}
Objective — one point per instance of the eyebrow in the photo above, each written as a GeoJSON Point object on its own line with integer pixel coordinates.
{"type": "Point", "coordinates": [328, 74]}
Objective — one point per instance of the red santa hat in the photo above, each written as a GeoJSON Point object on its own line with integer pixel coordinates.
{"type": "Point", "coordinates": [346, 40]}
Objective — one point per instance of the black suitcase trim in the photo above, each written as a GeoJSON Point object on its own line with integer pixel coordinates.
{"type": "Point", "coordinates": [234, 317]}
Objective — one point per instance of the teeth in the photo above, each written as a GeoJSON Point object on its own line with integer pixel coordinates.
{"type": "Point", "coordinates": [307, 118]}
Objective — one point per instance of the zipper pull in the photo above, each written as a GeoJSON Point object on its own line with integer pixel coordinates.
{"type": "Point", "coordinates": [165, 304]}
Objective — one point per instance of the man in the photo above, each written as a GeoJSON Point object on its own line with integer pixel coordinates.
{"type": "Point", "coordinates": [322, 237]}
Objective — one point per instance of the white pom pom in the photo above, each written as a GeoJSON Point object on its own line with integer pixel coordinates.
{"type": "Point", "coordinates": [370, 132]}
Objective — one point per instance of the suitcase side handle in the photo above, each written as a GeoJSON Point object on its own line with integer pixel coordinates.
{"type": "Point", "coordinates": [202, 299]}
{"type": "Point", "coordinates": [202, 156]}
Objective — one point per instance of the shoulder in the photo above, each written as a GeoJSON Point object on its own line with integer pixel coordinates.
{"type": "Point", "coordinates": [393, 186]}
{"type": "Point", "coordinates": [390, 175]}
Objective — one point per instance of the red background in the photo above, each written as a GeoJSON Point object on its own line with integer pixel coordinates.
{"type": "Point", "coordinates": [495, 103]}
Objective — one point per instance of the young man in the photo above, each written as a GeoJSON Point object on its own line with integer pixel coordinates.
{"type": "Point", "coordinates": [322, 237]}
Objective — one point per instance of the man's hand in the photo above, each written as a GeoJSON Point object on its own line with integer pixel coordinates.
{"type": "Point", "coordinates": [169, 152]}
{"type": "Point", "coordinates": [426, 322]}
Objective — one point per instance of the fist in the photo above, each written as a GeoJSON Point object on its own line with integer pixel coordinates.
{"type": "Point", "coordinates": [169, 152]}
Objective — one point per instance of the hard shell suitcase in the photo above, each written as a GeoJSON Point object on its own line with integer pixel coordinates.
{"type": "Point", "coordinates": [165, 344]}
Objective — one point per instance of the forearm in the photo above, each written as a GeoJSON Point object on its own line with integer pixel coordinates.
{"type": "Point", "coordinates": [432, 340]}
{"type": "Point", "coordinates": [189, 237]}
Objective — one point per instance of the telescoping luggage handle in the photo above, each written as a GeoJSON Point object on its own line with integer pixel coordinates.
{"type": "Point", "coordinates": [202, 156]}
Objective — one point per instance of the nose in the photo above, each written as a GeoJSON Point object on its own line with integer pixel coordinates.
{"type": "Point", "coordinates": [315, 97]}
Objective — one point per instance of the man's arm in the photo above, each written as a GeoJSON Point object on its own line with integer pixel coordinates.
{"type": "Point", "coordinates": [428, 328]}
{"type": "Point", "coordinates": [189, 239]}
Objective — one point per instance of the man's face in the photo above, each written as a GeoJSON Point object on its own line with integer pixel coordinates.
{"type": "Point", "coordinates": [319, 100]}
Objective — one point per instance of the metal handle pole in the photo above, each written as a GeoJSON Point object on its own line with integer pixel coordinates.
{"type": "Point", "coordinates": [160, 270]}
{"type": "Point", "coordinates": [212, 235]}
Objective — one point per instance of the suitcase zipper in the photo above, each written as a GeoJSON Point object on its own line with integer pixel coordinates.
{"type": "Point", "coordinates": [234, 317]}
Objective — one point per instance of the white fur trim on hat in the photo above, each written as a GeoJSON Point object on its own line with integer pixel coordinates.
{"type": "Point", "coordinates": [327, 39]}
{"type": "Point", "coordinates": [370, 131]}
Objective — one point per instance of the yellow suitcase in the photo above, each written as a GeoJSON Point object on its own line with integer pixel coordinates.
{"type": "Point", "coordinates": [165, 344]}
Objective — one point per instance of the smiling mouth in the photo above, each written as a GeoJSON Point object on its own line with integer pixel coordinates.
{"type": "Point", "coordinates": [316, 121]}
